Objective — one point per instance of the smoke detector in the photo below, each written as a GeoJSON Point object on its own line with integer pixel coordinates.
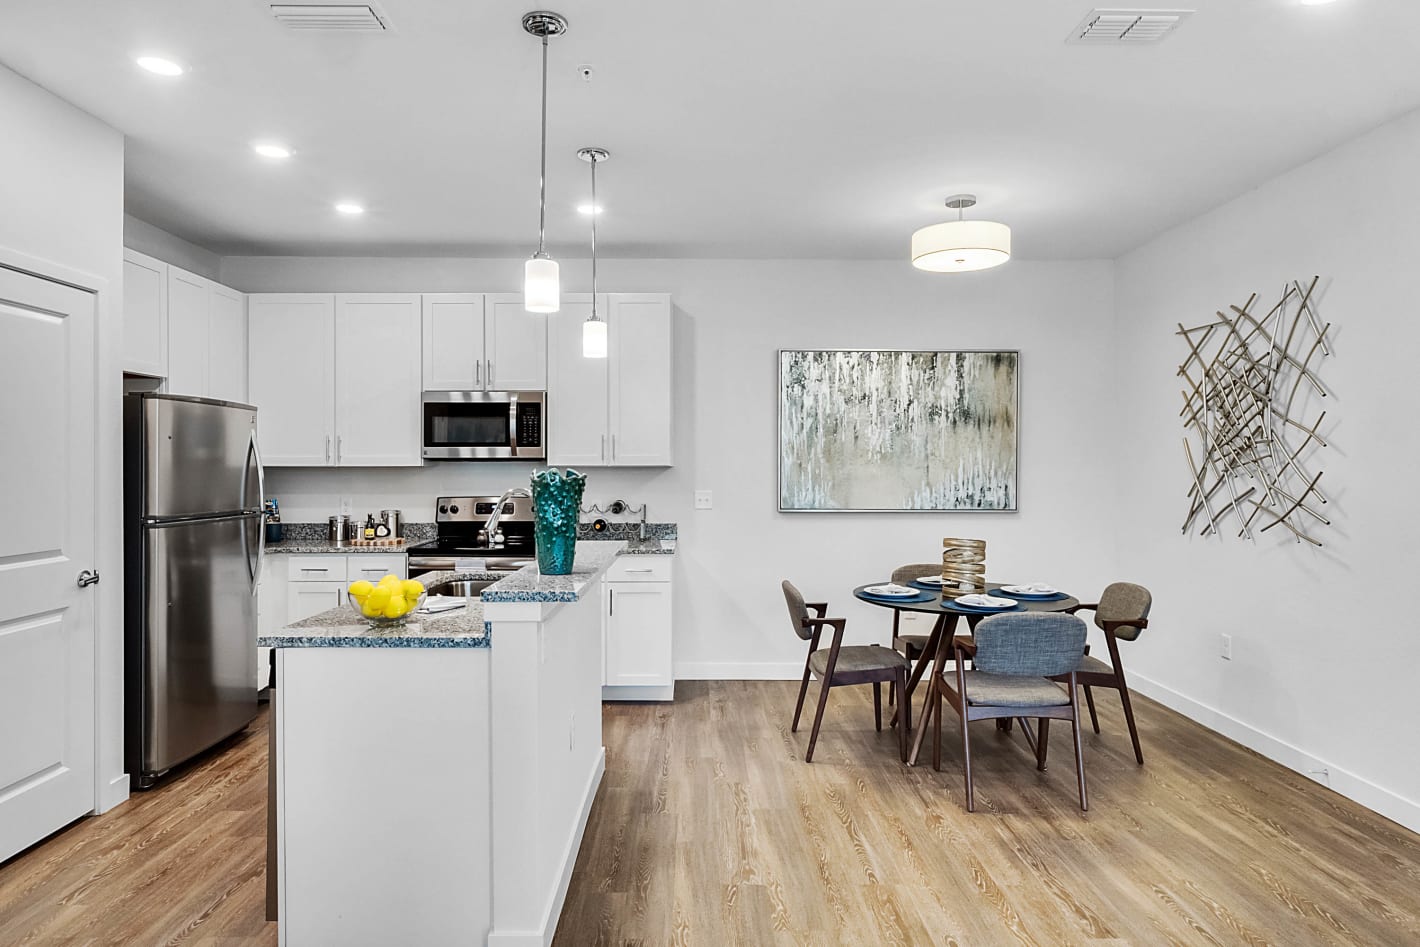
{"type": "Point", "coordinates": [330, 16]}
{"type": "Point", "coordinates": [1113, 27]}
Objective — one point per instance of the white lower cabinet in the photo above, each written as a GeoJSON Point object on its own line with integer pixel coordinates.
{"type": "Point", "coordinates": [636, 630]}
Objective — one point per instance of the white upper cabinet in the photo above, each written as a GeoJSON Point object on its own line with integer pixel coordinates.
{"type": "Point", "coordinates": [640, 353]}
{"type": "Point", "coordinates": [189, 319]}
{"type": "Point", "coordinates": [614, 411]}
{"type": "Point", "coordinates": [292, 377]}
{"type": "Point", "coordinates": [516, 345]}
{"type": "Point", "coordinates": [453, 342]}
{"type": "Point", "coordinates": [377, 380]}
{"type": "Point", "coordinates": [145, 314]}
{"type": "Point", "coordinates": [227, 345]}
{"type": "Point", "coordinates": [577, 416]}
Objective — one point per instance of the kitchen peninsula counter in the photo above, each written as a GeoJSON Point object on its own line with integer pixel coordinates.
{"type": "Point", "coordinates": [433, 782]}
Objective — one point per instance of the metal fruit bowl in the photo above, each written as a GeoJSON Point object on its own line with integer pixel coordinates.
{"type": "Point", "coordinates": [382, 622]}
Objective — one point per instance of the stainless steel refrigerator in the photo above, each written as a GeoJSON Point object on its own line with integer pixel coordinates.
{"type": "Point", "coordinates": [193, 541]}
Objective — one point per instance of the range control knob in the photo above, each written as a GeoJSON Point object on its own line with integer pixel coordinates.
{"type": "Point", "coordinates": [443, 509]}
{"type": "Point", "coordinates": [453, 509]}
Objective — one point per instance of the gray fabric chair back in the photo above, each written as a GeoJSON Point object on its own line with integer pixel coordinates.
{"type": "Point", "coordinates": [797, 610]}
{"type": "Point", "coordinates": [1029, 644]}
{"type": "Point", "coordinates": [905, 574]}
{"type": "Point", "coordinates": [1124, 601]}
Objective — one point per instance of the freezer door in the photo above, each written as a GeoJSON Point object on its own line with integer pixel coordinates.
{"type": "Point", "coordinates": [198, 457]}
{"type": "Point", "coordinates": [198, 655]}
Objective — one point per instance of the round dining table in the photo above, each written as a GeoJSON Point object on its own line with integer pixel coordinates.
{"type": "Point", "coordinates": [942, 642]}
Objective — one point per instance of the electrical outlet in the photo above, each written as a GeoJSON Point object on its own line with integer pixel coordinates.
{"type": "Point", "coordinates": [704, 500]}
{"type": "Point", "coordinates": [347, 506]}
{"type": "Point", "coordinates": [1227, 648]}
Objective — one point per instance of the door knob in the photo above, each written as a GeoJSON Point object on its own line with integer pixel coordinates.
{"type": "Point", "coordinates": [88, 578]}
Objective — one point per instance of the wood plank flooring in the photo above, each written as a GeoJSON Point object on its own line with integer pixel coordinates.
{"type": "Point", "coordinates": [710, 830]}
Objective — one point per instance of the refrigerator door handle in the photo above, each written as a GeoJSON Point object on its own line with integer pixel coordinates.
{"type": "Point", "coordinates": [254, 459]}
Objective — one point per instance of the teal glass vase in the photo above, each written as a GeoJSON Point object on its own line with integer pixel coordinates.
{"type": "Point", "coordinates": [557, 506]}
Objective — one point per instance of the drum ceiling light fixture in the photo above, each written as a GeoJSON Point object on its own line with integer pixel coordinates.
{"type": "Point", "coordinates": [958, 246]}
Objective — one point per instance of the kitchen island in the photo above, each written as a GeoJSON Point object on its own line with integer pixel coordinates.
{"type": "Point", "coordinates": [433, 781]}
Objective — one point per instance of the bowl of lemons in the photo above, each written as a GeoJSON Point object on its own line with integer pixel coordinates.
{"type": "Point", "coordinates": [388, 602]}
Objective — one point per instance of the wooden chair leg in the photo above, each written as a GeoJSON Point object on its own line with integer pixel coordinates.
{"type": "Point", "coordinates": [1079, 749]}
{"type": "Point", "coordinates": [966, 760]}
{"type": "Point", "coordinates": [799, 707]}
{"type": "Point", "coordinates": [878, 706]}
{"type": "Point", "coordinates": [1090, 700]}
{"type": "Point", "coordinates": [899, 684]}
{"type": "Point", "coordinates": [937, 732]}
{"type": "Point", "coordinates": [1129, 719]}
{"type": "Point", "coordinates": [1042, 743]}
{"type": "Point", "coordinates": [818, 719]}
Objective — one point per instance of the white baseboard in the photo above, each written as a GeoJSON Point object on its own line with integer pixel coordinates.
{"type": "Point", "coordinates": [1376, 798]}
{"type": "Point", "coordinates": [739, 671]}
{"type": "Point", "coordinates": [569, 860]}
{"type": "Point", "coordinates": [111, 793]}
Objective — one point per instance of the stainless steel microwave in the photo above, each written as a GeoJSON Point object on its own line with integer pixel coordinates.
{"type": "Point", "coordinates": [485, 425]}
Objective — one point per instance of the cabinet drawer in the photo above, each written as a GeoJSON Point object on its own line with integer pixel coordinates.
{"type": "Point", "coordinates": [373, 566]}
{"type": "Point", "coordinates": [640, 569]}
{"type": "Point", "coordinates": [316, 568]}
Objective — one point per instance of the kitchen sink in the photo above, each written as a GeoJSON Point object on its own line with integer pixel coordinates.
{"type": "Point", "coordinates": [468, 588]}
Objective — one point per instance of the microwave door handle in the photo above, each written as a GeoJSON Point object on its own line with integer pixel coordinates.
{"type": "Point", "coordinates": [513, 424]}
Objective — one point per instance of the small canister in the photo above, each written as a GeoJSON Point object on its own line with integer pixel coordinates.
{"type": "Point", "coordinates": [394, 521]}
{"type": "Point", "coordinates": [339, 530]}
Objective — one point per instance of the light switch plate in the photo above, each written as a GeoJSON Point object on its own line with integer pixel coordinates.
{"type": "Point", "coordinates": [704, 500]}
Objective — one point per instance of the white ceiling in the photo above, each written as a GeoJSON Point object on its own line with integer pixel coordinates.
{"type": "Point", "coordinates": [737, 128]}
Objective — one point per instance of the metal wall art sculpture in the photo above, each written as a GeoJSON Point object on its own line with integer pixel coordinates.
{"type": "Point", "coordinates": [1247, 378]}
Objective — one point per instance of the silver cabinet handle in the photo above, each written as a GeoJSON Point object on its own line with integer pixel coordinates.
{"type": "Point", "coordinates": [88, 578]}
{"type": "Point", "coordinates": [603, 447]}
{"type": "Point", "coordinates": [629, 571]}
{"type": "Point", "coordinates": [613, 448]}
{"type": "Point", "coordinates": [339, 443]}
{"type": "Point", "coordinates": [305, 569]}
{"type": "Point", "coordinates": [489, 371]}
{"type": "Point", "coordinates": [611, 602]}
{"type": "Point", "coordinates": [478, 372]}
{"type": "Point", "coordinates": [327, 448]}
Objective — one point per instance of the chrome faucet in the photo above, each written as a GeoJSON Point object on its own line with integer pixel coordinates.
{"type": "Point", "coordinates": [490, 528]}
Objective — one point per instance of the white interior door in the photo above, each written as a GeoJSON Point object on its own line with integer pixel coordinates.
{"type": "Point", "coordinates": [46, 620]}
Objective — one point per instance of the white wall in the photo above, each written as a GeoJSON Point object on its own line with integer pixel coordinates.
{"type": "Point", "coordinates": [1325, 648]}
{"type": "Point", "coordinates": [732, 318]}
{"type": "Point", "coordinates": [61, 201]}
{"type": "Point", "coordinates": [170, 248]}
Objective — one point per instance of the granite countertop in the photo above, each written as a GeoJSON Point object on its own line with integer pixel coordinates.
{"type": "Point", "coordinates": [342, 628]}
{"type": "Point", "coordinates": [640, 547]}
{"type": "Point", "coordinates": [326, 547]}
{"type": "Point", "coordinates": [529, 585]}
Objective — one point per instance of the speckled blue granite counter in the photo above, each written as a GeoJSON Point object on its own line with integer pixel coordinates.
{"type": "Point", "coordinates": [342, 628]}
{"type": "Point", "coordinates": [529, 585]}
{"type": "Point", "coordinates": [310, 538]}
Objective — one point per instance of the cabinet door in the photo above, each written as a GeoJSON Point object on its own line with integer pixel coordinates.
{"type": "Point", "coordinates": [189, 315]}
{"type": "Point", "coordinates": [516, 342]}
{"type": "Point", "coordinates": [640, 349]}
{"type": "Point", "coordinates": [377, 377]}
{"type": "Point", "coordinates": [291, 378]}
{"type": "Point", "coordinates": [304, 599]}
{"type": "Point", "coordinates": [227, 345]}
{"type": "Point", "coordinates": [638, 634]}
{"type": "Point", "coordinates": [453, 342]}
{"type": "Point", "coordinates": [145, 314]}
{"type": "Point", "coordinates": [576, 391]}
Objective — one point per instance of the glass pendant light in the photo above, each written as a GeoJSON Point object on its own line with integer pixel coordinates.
{"type": "Point", "coordinates": [594, 329]}
{"type": "Point", "coordinates": [959, 246]}
{"type": "Point", "coordinates": [542, 289]}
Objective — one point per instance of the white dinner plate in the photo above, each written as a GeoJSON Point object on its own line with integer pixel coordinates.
{"type": "Point", "coordinates": [890, 591]}
{"type": "Point", "coordinates": [929, 580]}
{"type": "Point", "coordinates": [1035, 588]}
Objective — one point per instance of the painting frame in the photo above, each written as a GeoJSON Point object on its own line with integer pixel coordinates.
{"type": "Point", "coordinates": [780, 461]}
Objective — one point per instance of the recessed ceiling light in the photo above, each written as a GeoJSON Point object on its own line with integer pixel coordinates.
{"type": "Point", "coordinates": [589, 209]}
{"type": "Point", "coordinates": [160, 66]}
{"type": "Point", "coordinates": [270, 149]}
{"type": "Point", "coordinates": [1316, 3]}
{"type": "Point", "coordinates": [350, 208]}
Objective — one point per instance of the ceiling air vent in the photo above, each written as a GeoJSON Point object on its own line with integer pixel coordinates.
{"type": "Point", "coordinates": [329, 16]}
{"type": "Point", "coordinates": [1126, 27]}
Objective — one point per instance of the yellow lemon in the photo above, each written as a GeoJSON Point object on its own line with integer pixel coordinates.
{"type": "Point", "coordinates": [390, 580]}
{"type": "Point", "coordinates": [396, 607]}
{"type": "Point", "coordinates": [378, 598]}
{"type": "Point", "coordinates": [413, 588]}
{"type": "Point", "coordinates": [370, 611]}
{"type": "Point", "coordinates": [361, 589]}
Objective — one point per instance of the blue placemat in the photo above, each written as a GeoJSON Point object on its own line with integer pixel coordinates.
{"type": "Point", "coordinates": [899, 599]}
{"type": "Point", "coordinates": [1021, 596]}
{"type": "Point", "coordinates": [974, 610]}
{"type": "Point", "coordinates": [918, 584]}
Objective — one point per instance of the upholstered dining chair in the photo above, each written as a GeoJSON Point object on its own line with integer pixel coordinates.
{"type": "Point", "coordinates": [839, 665]}
{"type": "Point", "coordinates": [910, 645]}
{"type": "Point", "coordinates": [1121, 613]}
{"type": "Point", "coordinates": [1016, 655]}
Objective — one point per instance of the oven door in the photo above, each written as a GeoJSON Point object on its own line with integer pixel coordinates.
{"type": "Point", "coordinates": [472, 425]}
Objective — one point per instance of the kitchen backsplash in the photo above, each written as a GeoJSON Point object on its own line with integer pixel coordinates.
{"type": "Point", "coordinates": [627, 531]}
{"type": "Point", "coordinates": [318, 532]}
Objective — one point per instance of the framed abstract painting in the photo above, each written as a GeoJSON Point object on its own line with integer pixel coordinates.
{"type": "Point", "coordinates": [898, 431]}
